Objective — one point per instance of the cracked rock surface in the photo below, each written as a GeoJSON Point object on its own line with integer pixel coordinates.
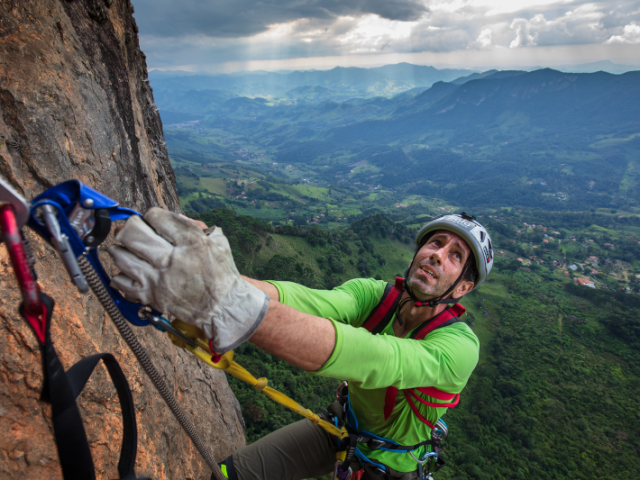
{"type": "Point", "coordinates": [75, 102]}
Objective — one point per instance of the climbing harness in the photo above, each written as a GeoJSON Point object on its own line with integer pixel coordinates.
{"type": "Point", "coordinates": [350, 451]}
{"type": "Point", "coordinates": [378, 320]}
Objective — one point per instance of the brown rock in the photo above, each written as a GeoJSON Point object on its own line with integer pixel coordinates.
{"type": "Point", "coordinates": [74, 104]}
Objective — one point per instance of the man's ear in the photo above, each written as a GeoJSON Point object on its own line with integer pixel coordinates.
{"type": "Point", "coordinates": [462, 288]}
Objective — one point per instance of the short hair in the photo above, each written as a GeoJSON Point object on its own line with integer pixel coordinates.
{"type": "Point", "coordinates": [471, 273]}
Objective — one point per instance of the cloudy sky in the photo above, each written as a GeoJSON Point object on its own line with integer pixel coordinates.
{"type": "Point", "coordinates": [232, 35]}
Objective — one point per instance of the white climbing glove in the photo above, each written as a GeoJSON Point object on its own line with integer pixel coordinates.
{"type": "Point", "coordinates": [179, 270]}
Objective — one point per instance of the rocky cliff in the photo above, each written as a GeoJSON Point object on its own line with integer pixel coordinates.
{"type": "Point", "coordinates": [75, 102]}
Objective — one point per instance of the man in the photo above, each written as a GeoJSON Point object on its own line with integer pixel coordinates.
{"type": "Point", "coordinates": [170, 264]}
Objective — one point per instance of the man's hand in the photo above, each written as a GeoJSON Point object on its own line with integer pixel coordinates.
{"type": "Point", "coordinates": [179, 270]}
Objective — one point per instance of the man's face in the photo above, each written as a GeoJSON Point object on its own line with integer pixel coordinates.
{"type": "Point", "coordinates": [438, 264]}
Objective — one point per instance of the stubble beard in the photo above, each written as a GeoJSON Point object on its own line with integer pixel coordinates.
{"type": "Point", "coordinates": [422, 290]}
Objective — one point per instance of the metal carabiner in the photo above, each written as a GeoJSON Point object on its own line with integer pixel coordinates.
{"type": "Point", "coordinates": [84, 216]}
{"type": "Point", "coordinates": [17, 201]}
{"type": "Point", "coordinates": [421, 461]}
{"type": "Point", "coordinates": [425, 458]}
{"type": "Point", "coordinates": [13, 217]}
{"type": "Point", "coordinates": [33, 309]}
{"type": "Point", "coordinates": [61, 244]}
{"type": "Point", "coordinates": [163, 324]}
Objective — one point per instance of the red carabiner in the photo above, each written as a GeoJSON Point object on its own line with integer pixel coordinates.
{"type": "Point", "coordinates": [33, 309]}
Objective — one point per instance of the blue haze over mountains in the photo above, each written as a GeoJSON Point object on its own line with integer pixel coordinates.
{"type": "Point", "coordinates": [484, 138]}
{"type": "Point", "coordinates": [351, 81]}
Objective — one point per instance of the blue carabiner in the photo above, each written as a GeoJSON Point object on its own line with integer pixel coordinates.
{"type": "Point", "coordinates": [85, 217]}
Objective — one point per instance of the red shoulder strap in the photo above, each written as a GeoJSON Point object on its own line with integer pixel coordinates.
{"type": "Point", "coordinates": [376, 317]}
{"type": "Point", "coordinates": [389, 401]}
{"type": "Point", "coordinates": [392, 392]}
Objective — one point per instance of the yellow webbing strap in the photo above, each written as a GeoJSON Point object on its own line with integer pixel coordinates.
{"type": "Point", "coordinates": [227, 364]}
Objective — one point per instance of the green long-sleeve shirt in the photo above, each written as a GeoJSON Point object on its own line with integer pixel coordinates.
{"type": "Point", "coordinates": [444, 359]}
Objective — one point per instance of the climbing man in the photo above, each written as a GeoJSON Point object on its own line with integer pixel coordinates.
{"type": "Point", "coordinates": [402, 348]}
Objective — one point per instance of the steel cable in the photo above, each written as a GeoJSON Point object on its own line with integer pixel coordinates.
{"type": "Point", "coordinates": [138, 350]}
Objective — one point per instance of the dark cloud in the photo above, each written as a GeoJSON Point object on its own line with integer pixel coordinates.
{"type": "Point", "coordinates": [241, 18]}
{"type": "Point", "coordinates": [212, 32]}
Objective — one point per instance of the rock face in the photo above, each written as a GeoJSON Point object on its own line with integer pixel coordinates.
{"type": "Point", "coordinates": [75, 103]}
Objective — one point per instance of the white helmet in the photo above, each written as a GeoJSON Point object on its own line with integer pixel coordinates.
{"type": "Point", "coordinates": [468, 228]}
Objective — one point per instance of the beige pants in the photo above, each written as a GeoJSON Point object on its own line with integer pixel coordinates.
{"type": "Point", "coordinates": [298, 451]}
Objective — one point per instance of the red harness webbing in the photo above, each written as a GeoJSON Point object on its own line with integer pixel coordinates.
{"type": "Point", "coordinates": [377, 316]}
{"type": "Point", "coordinates": [392, 392]}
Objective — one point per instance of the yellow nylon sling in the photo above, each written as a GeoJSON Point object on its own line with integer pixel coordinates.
{"type": "Point", "coordinates": [227, 364]}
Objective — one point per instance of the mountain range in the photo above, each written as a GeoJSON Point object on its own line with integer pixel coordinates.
{"type": "Point", "coordinates": [496, 130]}
{"type": "Point", "coordinates": [343, 82]}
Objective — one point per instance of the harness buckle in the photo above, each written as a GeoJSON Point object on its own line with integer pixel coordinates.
{"type": "Point", "coordinates": [375, 444]}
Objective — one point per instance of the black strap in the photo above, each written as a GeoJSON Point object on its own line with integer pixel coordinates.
{"type": "Point", "coordinates": [61, 389]}
{"type": "Point", "coordinates": [79, 374]}
{"type": "Point", "coordinates": [351, 445]}
{"type": "Point", "coordinates": [375, 444]}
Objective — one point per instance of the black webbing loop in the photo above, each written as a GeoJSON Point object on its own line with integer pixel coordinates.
{"type": "Point", "coordinates": [350, 451]}
{"type": "Point", "coordinates": [79, 374]}
{"type": "Point", "coordinates": [61, 389]}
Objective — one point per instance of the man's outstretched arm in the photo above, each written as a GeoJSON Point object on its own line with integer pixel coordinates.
{"type": "Point", "coordinates": [303, 340]}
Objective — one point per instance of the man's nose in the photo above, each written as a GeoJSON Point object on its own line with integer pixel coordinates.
{"type": "Point", "coordinates": [437, 256]}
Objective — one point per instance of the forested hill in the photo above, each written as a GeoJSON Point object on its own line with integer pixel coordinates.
{"type": "Point", "coordinates": [555, 394]}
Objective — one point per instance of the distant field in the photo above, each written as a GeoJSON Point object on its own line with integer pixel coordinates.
{"type": "Point", "coordinates": [214, 185]}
